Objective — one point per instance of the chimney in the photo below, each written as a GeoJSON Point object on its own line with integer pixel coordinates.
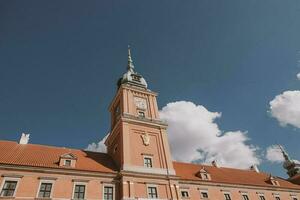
{"type": "Point", "coordinates": [214, 163]}
{"type": "Point", "coordinates": [254, 168]}
{"type": "Point", "coordinates": [24, 138]}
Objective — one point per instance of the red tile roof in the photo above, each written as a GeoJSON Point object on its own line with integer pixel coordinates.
{"type": "Point", "coordinates": [12, 153]}
{"type": "Point", "coordinates": [48, 156]}
{"type": "Point", "coordinates": [188, 171]}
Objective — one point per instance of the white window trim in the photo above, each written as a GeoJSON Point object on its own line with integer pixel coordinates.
{"type": "Point", "coordinates": [151, 185]}
{"type": "Point", "coordinates": [10, 179]}
{"type": "Point", "coordinates": [79, 183]}
{"type": "Point", "coordinates": [45, 181]}
{"type": "Point", "coordinates": [147, 156]}
{"type": "Point", "coordinates": [244, 193]}
{"type": "Point", "coordinates": [206, 191]}
{"type": "Point", "coordinates": [109, 185]}
{"type": "Point", "coordinates": [184, 190]}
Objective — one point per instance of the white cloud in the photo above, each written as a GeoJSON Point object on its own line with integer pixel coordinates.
{"type": "Point", "coordinates": [98, 147]}
{"type": "Point", "coordinates": [274, 154]}
{"type": "Point", "coordinates": [286, 108]}
{"type": "Point", "coordinates": [195, 136]}
{"type": "Point", "coordinates": [298, 76]}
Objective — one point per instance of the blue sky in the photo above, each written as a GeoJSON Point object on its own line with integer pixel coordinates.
{"type": "Point", "coordinates": [60, 61]}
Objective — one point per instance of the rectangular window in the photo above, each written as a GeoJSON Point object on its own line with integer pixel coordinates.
{"type": "Point", "coordinates": [277, 198]}
{"type": "Point", "coordinates": [8, 189]}
{"type": "Point", "coordinates": [108, 193]}
{"type": "Point", "coordinates": [245, 197]}
{"type": "Point", "coordinates": [45, 190]}
{"type": "Point", "coordinates": [227, 196]}
{"type": "Point", "coordinates": [204, 195]}
{"type": "Point", "coordinates": [152, 193]}
{"type": "Point", "coordinates": [262, 198]}
{"type": "Point", "coordinates": [68, 163]}
{"type": "Point", "coordinates": [142, 114]}
{"type": "Point", "coordinates": [184, 194]}
{"type": "Point", "coordinates": [79, 192]}
{"type": "Point", "coordinates": [148, 162]}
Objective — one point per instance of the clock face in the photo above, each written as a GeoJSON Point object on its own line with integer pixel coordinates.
{"type": "Point", "coordinates": [140, 103]}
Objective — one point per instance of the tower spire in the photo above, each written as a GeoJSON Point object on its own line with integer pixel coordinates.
{"type": "Point", "coordinates": [130, 65]}
{"type": "Point", "coordinates": [284, 153]}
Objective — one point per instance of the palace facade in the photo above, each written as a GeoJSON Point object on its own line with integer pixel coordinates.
{"type": "Point", "coordinates": [137, 165]}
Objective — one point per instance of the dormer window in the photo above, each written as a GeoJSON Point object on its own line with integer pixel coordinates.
{"type": "Point", "coordinates": [67, 160]}
{"type": "Point", "coordinates": [273, 181]}
{"type": "Point", "coordinates": [203, 174]}
{"type": "Point", "coordinates": [67, 163]}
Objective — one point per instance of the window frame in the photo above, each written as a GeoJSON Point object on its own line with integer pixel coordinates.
{"type": "Point", "coordinates": [202, 192]}
{"type": "Point", "coordinates": [141, 113]}
{"type": "Point", "coordinates": [156, 188]}
{"type": "Point", "coordinates": [151, 161]}
{"type": "Point", "coordinates": [65, 163]}
{"type": "Point", "coordinates": [261, 196]}
{"type": "Point", "coordinates": [39, 188]}
{"type": "Point", "coordinates": [185, 190]}
{"type": "Point", "coordinates": [9, 179]}
{"type": "Point", "coordinates": [227, 193]}
{"type": "Point", "coordinates": [74, 186]}
{"type": "Point", "coordinates": [109, 185]}
{"type": "Point", "coordinates": [245, 195]}
{"type": "Point", "coordinates": [277, 197]}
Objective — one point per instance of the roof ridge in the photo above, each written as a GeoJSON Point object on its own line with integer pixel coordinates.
{"type": "Point", "coordinates": [54, 147]}
{"type": "Point", "coordinates": [220, 167]}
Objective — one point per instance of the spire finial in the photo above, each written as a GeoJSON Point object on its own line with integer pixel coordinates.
{"type": "Point", "coordinates": [284, 153]}
{"type": "Point", "coordinates": [130, 65]}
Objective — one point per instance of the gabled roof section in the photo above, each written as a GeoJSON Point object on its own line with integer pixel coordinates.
{"type": "Point", "coordinates": [12, 153]}
{"type": "Point", "coordinates": [202, 170]}
{"type": "Point", "coordinates": [189, 172]}
{"type": "Point", "coordinates": [68, 156]}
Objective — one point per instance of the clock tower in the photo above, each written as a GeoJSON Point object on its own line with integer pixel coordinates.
{"type": "Point", "coordinates": [138, 139]}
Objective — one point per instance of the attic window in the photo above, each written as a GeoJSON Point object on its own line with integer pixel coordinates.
{"type": "Point", "coordinates": [203, 174]}
{"type": "Point", "coordinates": [67, 160]}
{"type": "Point", "coordinates": [68, 163]}
{"type": "Point", "coordinates": [273, 181]}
